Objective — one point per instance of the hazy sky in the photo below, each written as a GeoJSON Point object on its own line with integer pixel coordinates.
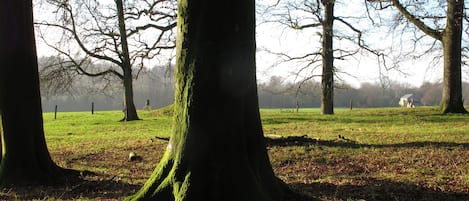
{"type": "Point", "coordinates": [355, 70]}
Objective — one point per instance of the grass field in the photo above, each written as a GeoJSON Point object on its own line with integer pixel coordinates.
{"type": "Point", "coordinates": [361, 154]}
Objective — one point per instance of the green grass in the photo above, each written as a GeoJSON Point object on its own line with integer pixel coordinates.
{"type": "Point", "coordinates": [372, 126]}
{"type": "Point", "coordinates": [382, 154]}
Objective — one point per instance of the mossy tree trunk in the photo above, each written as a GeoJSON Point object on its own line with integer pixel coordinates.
{"type": "Point", "coordinates": [217, 150]}
{"type": "Point", "coordinates": [25, 158]}
{"type": "Point", "coordinates": [327, 81]}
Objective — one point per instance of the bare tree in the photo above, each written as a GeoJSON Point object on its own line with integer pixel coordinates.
{"type": "Point", "coordinates": [124, 35]}
{"type": "Point", "coordinates": [318, 15]}
{"type": "Point", "coordinates": [435, 26]}
{"type": "Point", "coordinates": [55, 77]}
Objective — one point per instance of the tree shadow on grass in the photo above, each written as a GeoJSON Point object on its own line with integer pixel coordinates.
{"type": "Point", "coordinates": [88, 189]}
{"type": "Point", "coordinates": [347, 143]}
{"type": "Point", "coordinates": [370, 189]}
{"type": "Point", "coordinates": [377, 190]}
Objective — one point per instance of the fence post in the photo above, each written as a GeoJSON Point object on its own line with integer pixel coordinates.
{"type": "Point", "coordinates": [55, 112]}
{"type": "Point", "coordinates": [147, 105]}
{"type": "Point", "coordinates": [92, 108]}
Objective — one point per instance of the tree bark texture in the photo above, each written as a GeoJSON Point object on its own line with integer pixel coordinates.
{"type": "Point", "coordinates": [217, 150]}
{"type": "Point", "coordinates": [130, 112]}
{"type": "Point", "coordinates": [25, 158]}
{"type": "Point", "coordinates": [129, 107]}
{"type": "Point", "coordinates": [451, 101]}
{"type": "Point", "coordinates": [327, 81]}
{"type": "Point", "coordinates": [450, 37]}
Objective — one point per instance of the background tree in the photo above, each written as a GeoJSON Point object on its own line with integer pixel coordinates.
{"type": "Point", "coordinates": [318, 17]}
{"type": "Point", "coordinates": [124, 35]}
{"type": "Point", "coordinates": [443, 22]}
{"type": "Point", "coordinates": [431, 93]}
{"type": "Point", "coordinates": [25, 159]}
{"type": "Point", "coordinates": [217, 149]}
{"type": "Point", "coordinates": [155, 84]}
{"type": "Point", "coordinates": [327, 80]}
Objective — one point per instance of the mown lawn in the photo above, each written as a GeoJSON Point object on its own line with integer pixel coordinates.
{"type": "Point", "coordinates": [361, 154]}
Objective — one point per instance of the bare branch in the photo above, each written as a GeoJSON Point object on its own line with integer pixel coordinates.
{"type": "Point", "coordinates": [107, 39]}
{"type": "Point", "coordinates": [80, 43]}
{"type": "Point", "coordinates": [77, 65]}
{"type": "Point", "coordinates": [154, 26]}
{"type": "Point", "coordinates": [415, 20]}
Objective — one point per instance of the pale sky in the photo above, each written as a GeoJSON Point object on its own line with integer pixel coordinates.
{"type": "Point", "coordinates": [357, 70]}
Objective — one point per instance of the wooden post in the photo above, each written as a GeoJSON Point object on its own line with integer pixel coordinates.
{"type": "Point", "coordinates": [351, 104]}
{"type": "Point", "coordinates": [147, 105]}
{"type": "Point", "coordinates": [92, 107]}
{"type": "Point", "coordinates": [55, 112]}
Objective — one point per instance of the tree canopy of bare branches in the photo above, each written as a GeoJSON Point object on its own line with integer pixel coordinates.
{"type": "Point", "coordinates": [434, 26]}
{"type": "Point", "coordinates": [123, 34]}
{"type": "Point", "coordinates": [319, 19]}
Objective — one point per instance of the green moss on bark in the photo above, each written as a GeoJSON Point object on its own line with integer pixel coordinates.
{"type": "Point", "coordinates": [217, 150]}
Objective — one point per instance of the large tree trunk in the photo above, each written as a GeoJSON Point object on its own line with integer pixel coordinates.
{"type": "Point", "coordinates": [327, 82]}
{"type": "Point", "coordinates": [452, 101]}
{"type": "Point", "coordinates": [217, 150]}
{"type": "Point", "coordinates": [129, 107]}
{"type": "Point", "coordinates": [25, 158]}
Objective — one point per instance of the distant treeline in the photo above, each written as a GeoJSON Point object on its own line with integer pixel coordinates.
{"type": "Point", "coordinates": [277, 93]}
{"type": "Point", "coordinates": [157, 86]}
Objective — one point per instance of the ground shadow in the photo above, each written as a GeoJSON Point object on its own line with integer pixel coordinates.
{"type": "Point", "coordinates": [89, 189]}
{"type": "Point", "coordinates": [347, 143]}
{"type": "Point", "coordinates": [377, 190]}
{"type": "Point", "coordinates": [370, 189]}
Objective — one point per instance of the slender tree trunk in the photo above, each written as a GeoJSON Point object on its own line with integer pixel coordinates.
{"type": "Point", "coordinates": [217, 149]}
{"type": "Point", "coordinates": [452, 101]}
{"type": "Point", "coordinates": [25, 158]}
{"type": "Point", "coordinates": [327, 82]}
{"type": "Point", "coordinates": [129, 106]}
{"type": "Point", "coordinates": [130, 110]}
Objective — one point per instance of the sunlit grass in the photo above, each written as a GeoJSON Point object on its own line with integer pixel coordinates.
{"type": "Point", "coordinates": [381, 154]}
{"type": "Point", "coordinates": [371, 126]}
{"type": "Point", "coordinates": [418, 148]}
{"type": "Point", "coordinates": [73, 128]}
